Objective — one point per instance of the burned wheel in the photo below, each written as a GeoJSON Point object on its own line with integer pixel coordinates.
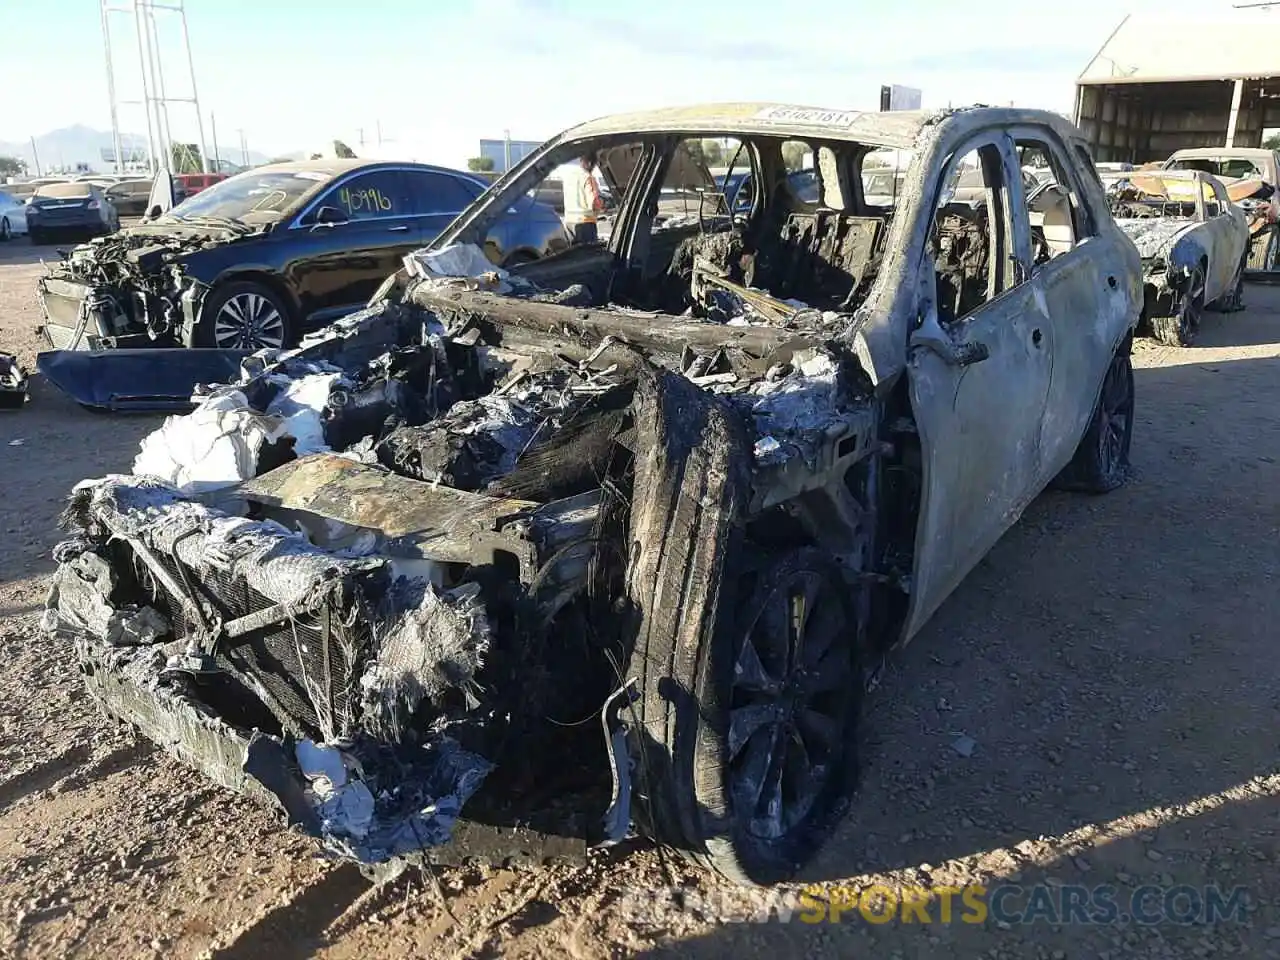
{"type": "Point", "coordinates": [757, 771]}
{"type": "Point", "coordinates": [1101, 462]}
{"type": "Point", "coordinates": [1271, 251]}
{"type": "Point", "coordinates": [1233, 300]}
{"type": "Point", "coordinates": [1180, 329]}
{"type": "Point", "coordinates": [244, 316]}
{"type": "Point", "coordinates": [788, 701]}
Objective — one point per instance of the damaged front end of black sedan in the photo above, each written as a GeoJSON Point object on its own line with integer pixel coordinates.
{"type": "Point", "coordinates": [129, 289]}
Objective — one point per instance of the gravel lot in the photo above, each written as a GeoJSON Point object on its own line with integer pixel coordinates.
{"type": "Point", "coordinates": [1114, 661]}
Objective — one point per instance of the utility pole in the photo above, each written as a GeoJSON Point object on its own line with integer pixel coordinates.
{"type": "Point", "coordinates": [153, 97]}
{"type": "Point", "coordinates": [379, 124]}
{"type": "Point", "coordinates": [36, 156]}
{"type": "Point", "coordinates": [213, 129]}
{"type": "Point", "coordinates": [111, 90]}
{"type": "Point", "coordinates": [244, 147]}
{"type": "Point", "coordinates": [506, 150]}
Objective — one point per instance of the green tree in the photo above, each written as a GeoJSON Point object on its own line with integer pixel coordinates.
{"type": "Point", "coordinates": [11, 166]}
{"type": "Point", "coordinates": [480, 164]}
{"type": "Point", "coordinates": [793, 154]}
{"type": "Point", "coordinates": [1271, 143]}
{"type": "Point", "coordinates": [186, 158]}
{"type": "Point", "coordinates": [712, 153]}
{"type": "Point", "coordinates": [342, 151]}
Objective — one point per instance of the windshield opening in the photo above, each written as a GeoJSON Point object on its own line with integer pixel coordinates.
{"type": "Point", "coordinates": [1144, 195]}
{"type": "Point", "coordinates": [253, 197]}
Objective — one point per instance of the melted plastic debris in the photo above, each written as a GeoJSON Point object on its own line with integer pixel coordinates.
{"type": "Point", "coordinates": [344, 805]}
{"type": "Point", "coordinates": [462, 264]}
{"type": "Point", "coordinates": [769, 451]}
{"type": "Point", "coordinates": [418, 795]}
{"type": "Point", "coordinates": [436, 644]}
{"type": "Point", "coordinates": [214, 446]}
{"type": "Point", "coordinates": [301, 405]}
{"type": "Point", "coordinates": [787, 407]}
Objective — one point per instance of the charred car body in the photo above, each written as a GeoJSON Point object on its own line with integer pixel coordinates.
{"type": "Point", "coordinates": [1252, 178]}
{"type": "Point", "coordinates": [626, 530]}
{"type": "Point", "coordinates": [255, 260]}
{"type": "Point", "coordinates": [1194, 244]}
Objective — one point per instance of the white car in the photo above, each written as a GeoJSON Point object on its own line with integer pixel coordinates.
{"type": "Point", "coordinates": [13, 216]}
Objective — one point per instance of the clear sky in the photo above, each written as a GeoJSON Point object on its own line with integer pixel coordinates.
{"type": "Point", "coordinates": [439, 74]}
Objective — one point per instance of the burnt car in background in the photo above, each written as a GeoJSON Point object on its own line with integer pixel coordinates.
{"type": "Point", "coordinates": [1252, 178]}
{"type": "Point", "coordinates": [1194, 244]}
{"type": "Point", "coordinates": [66, 210]}
{"type": "Point", "coordinates": [691, 483]}
{"type": "Point", "coordinates": [257, 259]}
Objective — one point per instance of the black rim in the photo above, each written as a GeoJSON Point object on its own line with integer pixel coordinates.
{"type": "Point", "coordinates": [791, 685]}
{"type": "Point", "coordinates": [1116, 409]}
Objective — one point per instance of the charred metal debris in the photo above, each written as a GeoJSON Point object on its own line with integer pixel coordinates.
{"type": "Point", "coordinates": [402, 570]}
{"type": "Point", "coordinates": [13, 383]}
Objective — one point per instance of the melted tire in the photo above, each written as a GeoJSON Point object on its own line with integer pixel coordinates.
{"type": "Point", "coordinates": [1101, 461]}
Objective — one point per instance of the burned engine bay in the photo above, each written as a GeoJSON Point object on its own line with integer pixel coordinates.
{"type": "Point", "coordinates": [395, 571]}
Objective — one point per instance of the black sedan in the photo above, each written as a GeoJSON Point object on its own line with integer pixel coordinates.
{"type": "Point", "coordinates": [70, 209]}
{"type": "Point", "coordinates": [261, 258]}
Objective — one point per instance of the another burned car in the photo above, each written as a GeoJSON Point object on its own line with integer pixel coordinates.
{"type": "Point", "coordinates": [1194, 245]}
{"type": "Point", "coordinates": [619, 536]}
{"type": "Point", "coordinates": [1252, 178]}
{"type": "Point", "coordinates": [256, 260]}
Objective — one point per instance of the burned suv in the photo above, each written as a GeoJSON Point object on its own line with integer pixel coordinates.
{"type": "Point", "coordinates": [514, 561]}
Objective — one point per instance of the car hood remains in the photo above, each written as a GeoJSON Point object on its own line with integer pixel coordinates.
{"type": "Point", "coordinates": [1154, 236]}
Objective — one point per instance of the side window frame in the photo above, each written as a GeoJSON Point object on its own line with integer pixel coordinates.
{"type": "Point", "coordinates": [424, 176]}
{"type": "Point", "coordinates": [1009, 263]}
{"type": "Point", "coordinates": [1065, 171]}
{"type": "Point", "coordinates": [345, 184]}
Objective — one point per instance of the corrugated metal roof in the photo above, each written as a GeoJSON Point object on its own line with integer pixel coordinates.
{"type": "Point", "coordinates": [1189, 46]}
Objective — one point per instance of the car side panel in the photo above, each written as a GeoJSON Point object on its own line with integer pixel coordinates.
{"type": "Point", "coordinates": [980, 437]}
{"type": "Point", "coordinates": [341, 266]}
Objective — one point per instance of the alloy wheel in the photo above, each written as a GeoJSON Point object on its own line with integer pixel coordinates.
{"type": "Point", "coordinates": [248, 321]}
{"type": "Point", "coordinates": [791, 684]}
{"type": "Point", "coordinates": [1117, 416]}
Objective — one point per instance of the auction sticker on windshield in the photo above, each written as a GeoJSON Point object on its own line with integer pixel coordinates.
{"type": "Point", "coordinates": [808, 115]}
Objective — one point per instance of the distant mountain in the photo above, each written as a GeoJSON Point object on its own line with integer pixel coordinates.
{"type": "Point", "coordinates": [69, 146]}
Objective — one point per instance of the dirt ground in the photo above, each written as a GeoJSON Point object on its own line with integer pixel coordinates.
{"type": "Point", "coordinates": [1113, 663]}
